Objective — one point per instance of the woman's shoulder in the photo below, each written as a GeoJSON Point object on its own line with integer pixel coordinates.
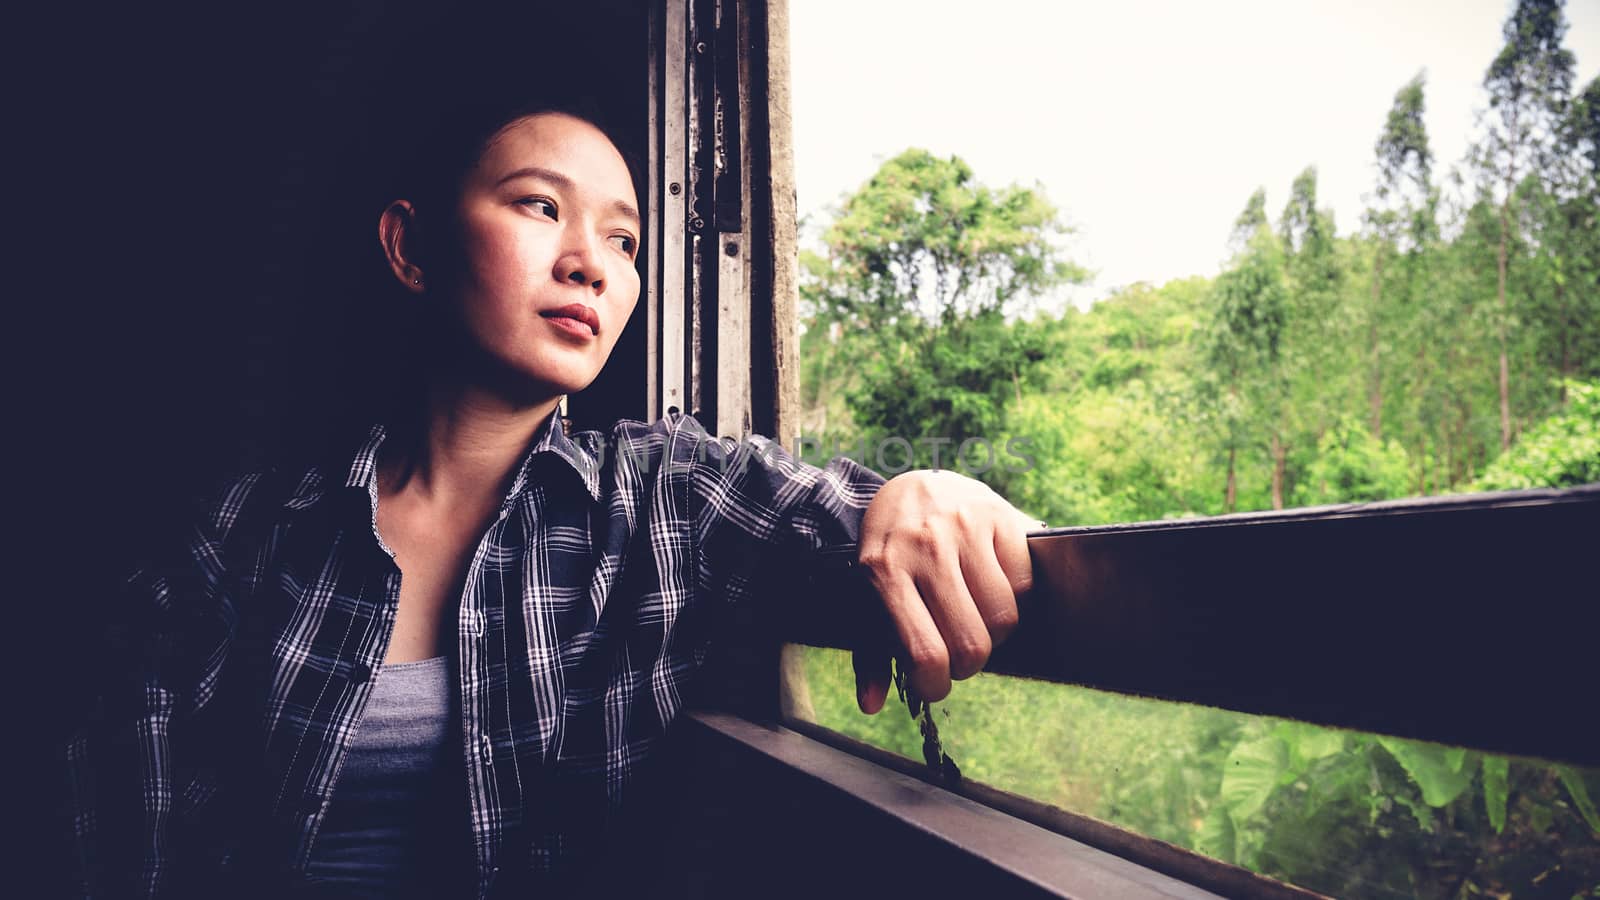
{"type": "Point", "coordinates": [676, 438]}
{"type": "Point", "coordinates": [674, 423]}
{"type": "Point", "coordinates": [637, 440]}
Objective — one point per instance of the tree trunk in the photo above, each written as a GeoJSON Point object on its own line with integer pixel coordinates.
{"type": "Point", "coordinates": [1422, 400]}
{"type": "Point", "coordinates": [1230, 495]}
{"type": "Point", "coordinates": [1445, 477]}
{"type": "Point", "coordinates": [1375, 394]}
{"type": "Point", "coordinates": [1279, 451]}
{"type": "Point", "coordinates": [1564, 331]}
{"type": "Point", "coordinates": [1501, 252]}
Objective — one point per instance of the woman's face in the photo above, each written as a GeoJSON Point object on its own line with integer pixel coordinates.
{"type": "Point", "coordinates": [550, 230]}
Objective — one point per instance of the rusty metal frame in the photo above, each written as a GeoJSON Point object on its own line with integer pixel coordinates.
{"type": "Point", "coordinates": [668, 338]}
{"type": "Point", "coordinates": [729, 225]}
{"type": "Point", "coordinates": [723, 267]}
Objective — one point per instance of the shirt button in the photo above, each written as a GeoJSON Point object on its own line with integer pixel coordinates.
{"type": "Point", "coordinates": [359, 673]}
{"type": "Point", "coordinates": [486, 748]}
{"type": "Point", "coordinates": [476, 624]}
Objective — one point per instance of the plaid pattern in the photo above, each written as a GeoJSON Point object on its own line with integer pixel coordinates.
{"type": "Point", "coordinates": [248, 656]}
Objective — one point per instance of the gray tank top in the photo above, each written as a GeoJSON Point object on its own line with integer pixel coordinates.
{"type": "Point", "coordinates": [397, 826]}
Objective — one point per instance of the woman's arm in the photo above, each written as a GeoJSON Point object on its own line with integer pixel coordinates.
{"type": "Point", "coordinates": [946, 555]}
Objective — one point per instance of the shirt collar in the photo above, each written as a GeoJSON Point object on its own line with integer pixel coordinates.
{"type": "Point", "coordinates": [554, 442]}
{"type": "Point", "coordinates": [550, 441]}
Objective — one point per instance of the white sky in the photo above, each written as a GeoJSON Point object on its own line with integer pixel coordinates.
{"type": "Point", "coordinates": [1147, 123]}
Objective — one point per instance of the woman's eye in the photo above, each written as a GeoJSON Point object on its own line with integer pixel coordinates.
{"type": "Point", "coordinates": [625, 243]}
{"type": "Point", "coordinates": [541, 204]}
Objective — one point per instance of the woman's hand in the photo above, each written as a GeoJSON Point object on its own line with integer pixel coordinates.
{"type": "Point", "coordinates": [949, 557]}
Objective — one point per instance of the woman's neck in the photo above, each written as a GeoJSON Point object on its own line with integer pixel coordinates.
{"type": "Point", "coordinates": [464, 446]}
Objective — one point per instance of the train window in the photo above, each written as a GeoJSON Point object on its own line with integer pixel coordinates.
{"type": "Point", "coordinates": [1150, 263]}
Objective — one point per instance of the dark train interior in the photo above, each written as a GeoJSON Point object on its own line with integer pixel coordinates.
{"type": "Point", "coordinates": [204, 194]}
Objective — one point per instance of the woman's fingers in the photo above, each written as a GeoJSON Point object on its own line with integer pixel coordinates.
{"type": "Point", "coordinates": [990, 583]}
{"type": "Point", "coordinates": [926, 657]}
{"type": "Point", "coordinates": [872, 680]}
{"type": "Point", "coordinates": [961, 630]}
{"type": "Point", "coordinates": [949, 558]}
{"type": "Point", "coordinates": [938, 622]}
{"type": "Point", "coordinates": [1011, 550]}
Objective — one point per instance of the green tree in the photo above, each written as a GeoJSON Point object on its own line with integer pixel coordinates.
{"type": "Point", "coordinates": [1244, 345]}
{"type": "Point", "coordinates": [1316, 330]}
{"type": "Point", "coordinates": [1401, 222]}
{"type": "Point", "coordinates": [1528, 84]}
{"type": "Point", "coordinates": [923, 240]}
{"type": "Point", "coordinates": [1251, 219]}
{"type": "Point", "coordinates": [925, 271]}
{"type": "Point", "coordinates": [1561, 451]}
{"type": "Point", "coordinates": [1564, 223]}
{"type": "Point", "coordinates": [1354, 465]}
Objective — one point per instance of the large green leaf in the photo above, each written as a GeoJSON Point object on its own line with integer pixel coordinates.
{"type": "Point", "coordinates": [1216, 835]}
{"type": "Point", "coordinates": [1309, 743]}
{"type": "Point", "coordinates": [1495, 770]}
{"type": "Point", "coordinates": [1580, 796]}
{"type": "Point", "coordinates": [1429, 765]}
{"type": "Point", "coordinates": [1253, 771]}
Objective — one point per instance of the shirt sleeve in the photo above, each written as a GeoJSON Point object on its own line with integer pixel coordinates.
{"type": "Point", "coordinates": [773, 529]}
{"type": "Point", "coordinates": [163, 640]}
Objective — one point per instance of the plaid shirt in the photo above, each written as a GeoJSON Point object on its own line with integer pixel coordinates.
{"type": "Point", "coordinates": [247, 658]}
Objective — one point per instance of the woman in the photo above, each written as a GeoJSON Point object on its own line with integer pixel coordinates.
{"type": "Point", "coordinates": [437, 664]}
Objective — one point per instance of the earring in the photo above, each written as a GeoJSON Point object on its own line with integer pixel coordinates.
{"type": "Point", "coordinates": [416, 281]}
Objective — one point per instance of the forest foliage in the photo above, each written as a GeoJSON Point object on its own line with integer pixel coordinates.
{"type": "Point", "coordinates": [1424, 351]}
{"type": "Point", "coordinates": [1448, 342]}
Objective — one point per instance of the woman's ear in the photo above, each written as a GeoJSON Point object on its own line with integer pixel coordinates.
{"type": "Point", "coordinates": [400, 235]}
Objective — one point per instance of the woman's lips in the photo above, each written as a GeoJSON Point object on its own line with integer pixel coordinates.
{"type": "Point", "coordinates": [575, 318]}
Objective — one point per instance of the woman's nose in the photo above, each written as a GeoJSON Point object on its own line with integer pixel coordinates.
{"type": "Point", "coordinates": [580, 264]}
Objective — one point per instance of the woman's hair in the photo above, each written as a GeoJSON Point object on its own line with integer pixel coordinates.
{"type": "Point", "coordinates": [433, 159]}
{"type": "Point", "coordinates": [389, 336]}
{"type": "Point", "coordinates": [431, 102]}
